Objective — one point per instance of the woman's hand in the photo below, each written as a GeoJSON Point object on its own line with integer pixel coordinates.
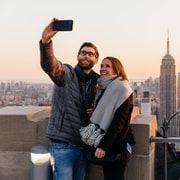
{"type": "Point", "coordinates": [100, 153]}
{"type": "Point", "coordinates": [90, 110]}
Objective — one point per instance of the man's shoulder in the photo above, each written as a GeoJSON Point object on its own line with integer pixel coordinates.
{"type": "Point", "coordinates": [68, 66]}
{"type": "Point", "coordinates": [95, 74]}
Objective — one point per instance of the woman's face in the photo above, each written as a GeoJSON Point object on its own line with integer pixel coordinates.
{"type": "Point", "coordinates": [106, 68]}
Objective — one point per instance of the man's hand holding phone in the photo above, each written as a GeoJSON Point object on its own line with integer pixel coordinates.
{"type": "Point", "coordinates": [53, 27]}
{"type": "Point", "coordinates": [48, 32]}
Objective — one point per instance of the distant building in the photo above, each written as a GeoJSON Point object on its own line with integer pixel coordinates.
{"type": "Point", "coordinates": [179, 90]}
{"type": "Point", "coordinates": [146, 104]}
{"type": "Point", "coordinates": [168, 93]}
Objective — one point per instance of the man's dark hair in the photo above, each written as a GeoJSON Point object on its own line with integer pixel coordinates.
{"type": "Point", "coordinates": [89, 44]}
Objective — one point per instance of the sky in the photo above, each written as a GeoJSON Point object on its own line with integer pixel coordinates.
{"type": "Point", "coordinates": [134, 31]}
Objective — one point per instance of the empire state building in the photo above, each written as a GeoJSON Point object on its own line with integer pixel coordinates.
{"type": "Point", "coordinates": [168, 92]}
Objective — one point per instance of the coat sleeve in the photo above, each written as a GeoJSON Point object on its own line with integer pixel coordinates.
{"type": "Point", "coordinates": [49, 63]}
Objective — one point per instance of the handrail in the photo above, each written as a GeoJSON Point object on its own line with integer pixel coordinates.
{"type": "Point", "coordinates": [165, 139]}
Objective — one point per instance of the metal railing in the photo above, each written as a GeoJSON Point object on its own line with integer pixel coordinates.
{"type": "Point", "coordinates": [165, 139]}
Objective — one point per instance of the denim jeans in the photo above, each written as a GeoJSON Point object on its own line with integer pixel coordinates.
{"type": "Point", "coordinates": [68, 161]}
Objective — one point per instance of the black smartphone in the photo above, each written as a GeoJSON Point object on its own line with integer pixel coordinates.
{"type": "Point", "coordinates": [63, 25]}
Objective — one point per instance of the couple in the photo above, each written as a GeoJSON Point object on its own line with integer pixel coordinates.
{"type": "Point", "coordinates": [82, 99]}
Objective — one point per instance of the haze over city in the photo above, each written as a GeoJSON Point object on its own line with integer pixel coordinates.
{"type": "Point", "coordinates": [136, 32]}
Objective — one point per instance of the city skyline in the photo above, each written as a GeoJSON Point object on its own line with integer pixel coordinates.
{"type": "Point", "coordinates": [134, 31]}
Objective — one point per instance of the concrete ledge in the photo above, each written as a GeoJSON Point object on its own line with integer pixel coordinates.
{"type": "Point", "coordinates": [15, 165]}
{"type": "Point", "coordinates": [24, 127]}
{"type": "Point", "coordinates": [21, 129]}
{"type": "Point", "coordinates": [144, 127]}
{"type": "Point", "coordinates": [141, 167]}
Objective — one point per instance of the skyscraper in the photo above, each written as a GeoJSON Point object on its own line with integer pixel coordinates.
{"type": "Point", "coordinates": [168, 92]}
{"type": "Point", "coordinates": [146, 104]}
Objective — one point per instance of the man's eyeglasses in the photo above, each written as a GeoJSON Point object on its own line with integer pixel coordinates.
{"type": "Point", "coordinates": [90, 54]}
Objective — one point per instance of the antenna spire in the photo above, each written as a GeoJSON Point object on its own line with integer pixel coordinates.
{"type": "Point", "coordinates": [168, 42]}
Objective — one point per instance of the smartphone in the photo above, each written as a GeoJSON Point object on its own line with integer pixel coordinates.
{"type": "Point", "coordinates": [63, 25]}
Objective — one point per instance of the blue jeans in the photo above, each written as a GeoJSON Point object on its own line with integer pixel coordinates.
{"type": "Point", "coordinates": [68, 161]}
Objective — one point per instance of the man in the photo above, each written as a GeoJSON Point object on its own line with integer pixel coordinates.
{"type": "Point", "coordinates": [71, 105]}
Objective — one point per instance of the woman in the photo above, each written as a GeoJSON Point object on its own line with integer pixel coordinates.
{"type": "Point", "coordinates": [109, 131]}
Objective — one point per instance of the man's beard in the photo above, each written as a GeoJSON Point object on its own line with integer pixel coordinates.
{"type": "Point", "coordinates": [90, 66]}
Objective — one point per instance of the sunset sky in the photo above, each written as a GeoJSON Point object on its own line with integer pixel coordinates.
{"type": "Point", "coordinates": [135, 31]}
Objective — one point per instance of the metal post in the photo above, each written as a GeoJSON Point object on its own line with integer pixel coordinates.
{"type": "Point", "coordinates": [165, 160]}
{"type": "Point", "coordinates": [41, 168]}
{"type": "Point", "coordinates": [165, 140]}
{"type": "Point", "coordinates": [165, 135]}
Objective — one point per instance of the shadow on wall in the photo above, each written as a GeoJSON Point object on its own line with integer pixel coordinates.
{"type": "Point", "coordinates": [173, 165]}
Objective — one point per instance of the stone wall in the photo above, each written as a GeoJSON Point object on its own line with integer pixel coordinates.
{"type": "Point", "coordinates": [142, 164]}
{"type": "Point", "coordinates": [22, 128]}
